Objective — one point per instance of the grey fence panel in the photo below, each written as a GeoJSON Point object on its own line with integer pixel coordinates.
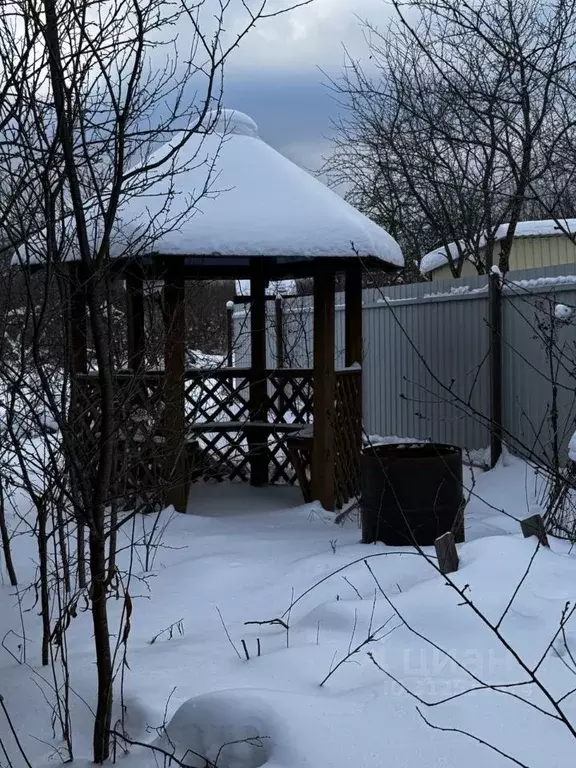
{"type": "Point", "coordinates": [539, 371]}
{"type": "Point", "coordinates": [298, 335]}
{"type": "Point", "coordinates": [241, 346]}
{"type": "Point", "coordinates": [241, 339]}
{"type": "Point", "coordinates": [420, 382]}
{"type": "Point", "coordinates": [298, 329]}
{"type": "Point", "coordinates": [426, 364]}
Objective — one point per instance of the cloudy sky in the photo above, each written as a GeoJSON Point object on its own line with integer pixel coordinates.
{"type": "Point", "coordinates": [276, 76]}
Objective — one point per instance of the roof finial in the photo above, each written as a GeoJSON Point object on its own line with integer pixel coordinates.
{"type": "Point", "coordinates": [231, 121]}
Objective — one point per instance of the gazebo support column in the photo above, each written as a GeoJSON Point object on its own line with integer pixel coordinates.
{"type": "Point", "coordinates": [76, 320]}
{"type": "Point", "coordinates": [135, 318]}
{"type": "Point", "coordinates": [323, 452]}
{"type": "Point", "coordinates": [258, 437]}
{"type": "Point", "coordinates": [174, 470]}
{"type": "Point", "coordinates": [353, 335]}
{"type": "Point", "coordinates": [77, 323]}
{"type": "Point", "coordinates": [353, 315]}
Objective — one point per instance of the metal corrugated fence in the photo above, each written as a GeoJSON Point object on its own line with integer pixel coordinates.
{"type": "Point", "coordinates": [426, 358]}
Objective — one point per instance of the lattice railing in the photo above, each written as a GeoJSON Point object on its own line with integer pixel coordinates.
{"type": "Point", "coordinates": [139, 404]}
{"type": "Point", "coordinates": [291, 401]}
{"type": "Point", "coordinates": [219, 399]}
{"type": "Point", "coordinates": [216, 395]}
{"type": "Point", "coordinates": [291, 396]}
{"type": "Point", "coordinates": [348, 434]}
{"type": "Point", "coordinates": [137, 443]}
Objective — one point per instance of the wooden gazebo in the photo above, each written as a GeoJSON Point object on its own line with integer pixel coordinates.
{"type": "Point", "coordinates": [263, 219]}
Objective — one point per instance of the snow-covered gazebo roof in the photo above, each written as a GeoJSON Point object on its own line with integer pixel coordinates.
{"type": "Point", "coordinates": [258, 204]}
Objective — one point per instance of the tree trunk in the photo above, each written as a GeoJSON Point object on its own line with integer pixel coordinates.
{"type": "Point", "coordinates": [44, 592]}
{"type": "Point", "coordinates": [103, 717]}
{"type": "Point", "coordinates": [6, 540]}
{"type": "Point", "coordinates": [112, 541]}
{"type": "Point", "coordinates": [62, 543]}
{"type": "Point", "coordinates": [80, 555]}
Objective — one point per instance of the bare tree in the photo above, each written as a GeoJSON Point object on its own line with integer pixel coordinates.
{"type": "Point", "coordinates": [449, 131]}
{"type": "Point", "coordinates": [89, 94]}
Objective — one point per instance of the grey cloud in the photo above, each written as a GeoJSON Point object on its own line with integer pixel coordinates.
{"type": "Point", "coordinates": [275, 76]}
{"type": "Point", "coordinates": [310, 35]}
{"type": "Point", "coordinates": [287, 107]}
{"type": "Point", "coordinates": [293, 111]}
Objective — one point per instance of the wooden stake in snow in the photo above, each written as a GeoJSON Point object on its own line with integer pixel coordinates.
{"type": "Point", "coordinates": [534, 526]}
{"type": "Point", "coordinates": [445, 546]}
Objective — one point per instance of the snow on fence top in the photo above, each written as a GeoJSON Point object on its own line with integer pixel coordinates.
{"type": "Point", "coordinates": [544, 228]}
{"type": "Point", "coordinates": [247, 199]}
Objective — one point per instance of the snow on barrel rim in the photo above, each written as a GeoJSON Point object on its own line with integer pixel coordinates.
{"type": "Point", "coordinates": [231, 121]}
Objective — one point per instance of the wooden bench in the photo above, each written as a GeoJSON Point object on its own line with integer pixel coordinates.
{"type": "Point", "coordinates": [257, 434]}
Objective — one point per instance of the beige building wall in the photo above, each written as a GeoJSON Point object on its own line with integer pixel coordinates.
{"type": "Point", "coordinates": [526, 253]}
{"type": "Point", "coordinates": [444, 273]}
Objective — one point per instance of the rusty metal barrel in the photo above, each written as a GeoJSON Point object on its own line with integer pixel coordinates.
{"type": "Point", "coordinates": [411, 493]}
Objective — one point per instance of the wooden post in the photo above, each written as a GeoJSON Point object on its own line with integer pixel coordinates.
{"type": "Point", "coordinates": [353, 315]}
{"type": "Point", "coordinates": [135, 319]}
{"type": "Point", "coordinates": [495, 330]}
{"type": "Point", "coordinates": [279, 326]}
{"type": "Point", "coordinates": [78, 334]}
{"type": "Point", "coordinates": [174, 362]}
{"type": "Point", "coordinates": [279, 316]}
{"type": "Point", "coordinates": [258, 398]}
{"type": "Point", "coordinates": [78, 321]}
{"type": "Point", "coordinates": [230, 334]}
{"type": "Point", "coordinates": [323, 452]}
{"type": "Point", "coordinates": [534, 526]}
{"type": "Point", "coordinates": [353, 341]}
{"type": "Point", "coordinates": [446, 552]}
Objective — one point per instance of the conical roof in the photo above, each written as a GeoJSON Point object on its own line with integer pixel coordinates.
{"type": "Point", "coordinates": [249, 201]}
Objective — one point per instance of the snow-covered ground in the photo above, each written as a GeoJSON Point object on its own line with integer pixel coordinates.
{"type": "Point", "coordinates": [245, 555]}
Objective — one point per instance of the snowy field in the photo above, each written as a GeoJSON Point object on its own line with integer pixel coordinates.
{"type": "Point", "coordinates": [245, 555]}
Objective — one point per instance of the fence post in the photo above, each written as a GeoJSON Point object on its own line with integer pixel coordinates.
{"type": "Point", "coordinates": [135, 318]}
{"type": "Point", "coordinates": [279, 332]}
{"type": "Point", "coordinates": [446, 552]}
{"type": "Point", "coordinates": [258, 400]}
{"type": "Point", "coordinates": [229, 334]}
{"type": "Point", "coordinates": [534, 526]}
{"type": "Point", "coordinates": [495, 324]}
